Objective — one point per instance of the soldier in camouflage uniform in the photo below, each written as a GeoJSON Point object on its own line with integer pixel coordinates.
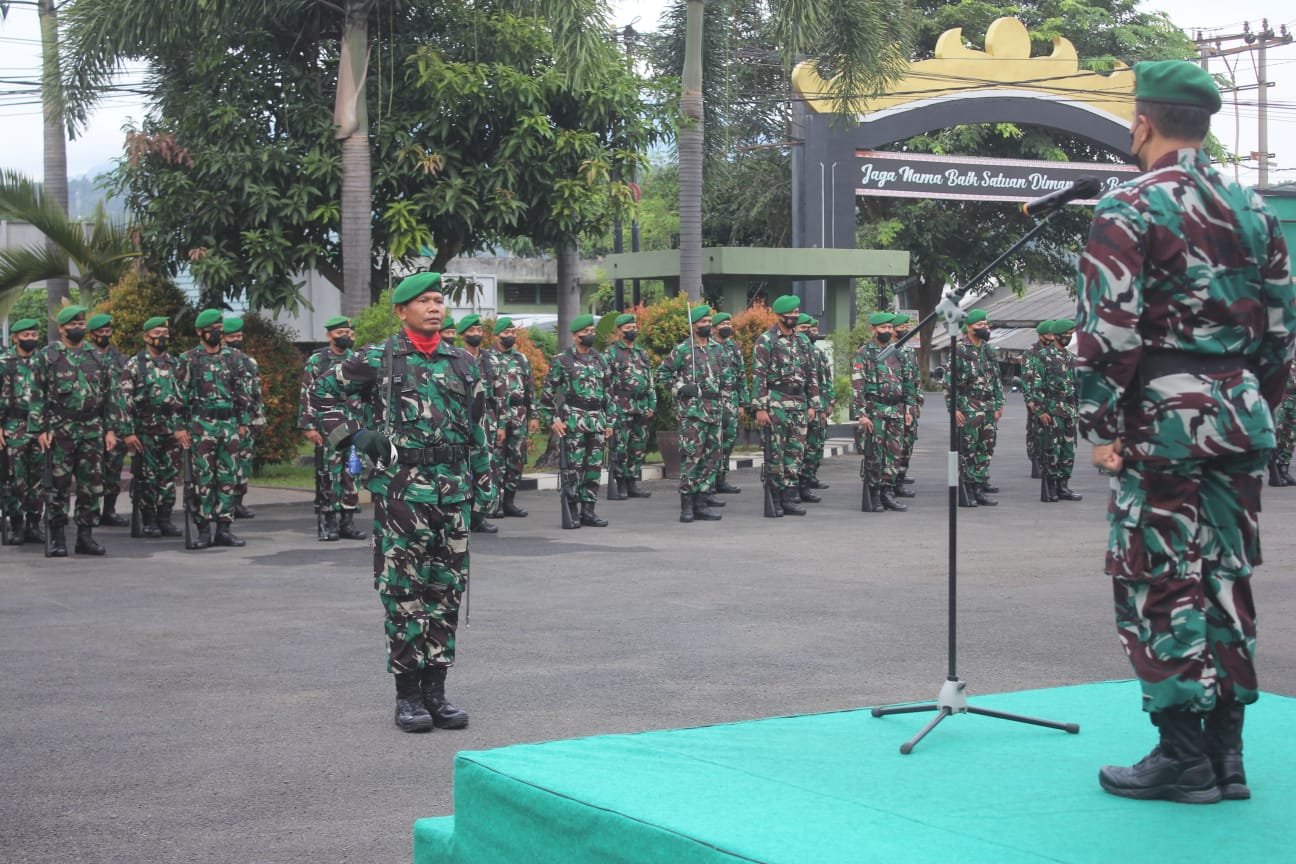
{"type": "Point", "coordinates": [1032, 378]}
{"type": "Point", "coordinates": [76, 416]}
{"type": "Point", "coordinates": [432, 466]}
{"type": "Point", "coordinates": [24, 504]}
{"type": "Point", "coordinates": [978, 409]}
{"type": "Point", "coordinates": [735, 393]}
{"type": "Point", "coordinates": [496, 396]}
{"type": "Point", "coordinates": [1050, 392]}
{"type": "Point", "coordinates": [148, 387]}
{"type": "Point", "coordinates": [1186, 324]}
{"type": "Point", "coordinates": [1285, 420]}
{"type": "Point", "coordinates": [783, 397]}
{"type": "Point", "coordinates": [213, 411]}
{"type": "Point", "coordinates": [449, 331]}
{"type": "Point", "coordinates": [342, 501]}
{"type": "Point", "coordinates": [634, 401]}
{"type": "Point", "coordinates": [692, 375]}
{"type": "Point", "coordinates": [883, 398]}
{"type": "Point", "coordinates": [912, 376]}
{"type": "Point", "coordinates": [99, 329]}
{"type": "Point", "coordinates": [576, 403]}
{"type": "Point", "coordinates": [517, 418]}
{"type": "Point", "coordinates": [820, 366]}
{"type": "Point", "coordinates": [233, 339]}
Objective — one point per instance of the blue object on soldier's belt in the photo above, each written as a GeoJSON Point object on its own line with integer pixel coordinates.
{"type": "Point", "coordinates": [353, 463]}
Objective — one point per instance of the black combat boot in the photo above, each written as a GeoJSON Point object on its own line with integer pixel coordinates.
{"type": "Point", "coordinates": [444, 715]}
{"type": "Point", "coordinates": [791, 505]}
{"type": "Point", "coordinates": [226, 537]}
{"type": "Point", "coordinates": [1048, 490]}
{"type": "Point", "coordinates": [411, 714]}
{"type": "Point", "coordinates": [794, 492]}
{"type": "Point", "coordinates": [164, 523]}
{"type": "Point", "coordinates": [1064, 492]}
{"type": "Point", "coordinates": [875, 495]}
{"type": "Point", "coordinates": [150, 527]}
{"type": "Point", "coordinates": [616, 489]}
{"type": "Point", "coordinates": [1275, 479]}
{"type": "Point", "coordinates": [202, 535]}
{"type": "Point", "coordinates": [815, 484]}
{"type": "Point", "coordinates": [589, 517]}
{"type": "Point", "coordinates": [1177, 769]}
{"type": "Point", "coordinates": [511, 509]}
{"type": "Point", "coordinates": [241, 512]}
{"type": "Point", "coordinates": [711, 499]}
{"type": "Point", "coordinates": [807, 494]}
{"type": "Point", "coordinates": [108, 517]}
{"type": "Point", "coordinates": [889, 502]}
{"type": "Point", "coordinates": [58, 541]}
{"type": "Point", "coordinates": [479, 525]}
{"type": "Point", "coordinates": [702, 503]}
{"type": "Point", "coordinates": [330, 526]}
{"type": "Point", "coordinates": [1035, 469]}
{"type": "Point", "coordinates": [347, 529]}
{"type": "Point", "coordinates": [15, 530]}
{"type": "Point", "coordinates": [633, 490]}
{"type": "Point", "coordinates": [724, 487]}
{"type": "Point", "coordinates": [987, 486]}
{"type": "Point", "coordinates": [1284, 471]}
{"type": "Point", "coordinates": [901, 491]}
{"type": "Point", "coordinates": [85, 542]}
{"type": "Point", "coordinates": [983, 499]}
{"type": "Point", "coordinates": [686, 506]}
{"type": "Point", "coordinates": [32, 530]}
{"type": "Point", "coordinates": [1223, 732]}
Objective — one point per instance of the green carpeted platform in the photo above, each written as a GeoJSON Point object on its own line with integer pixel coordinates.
{"type": "Point", "coordinates": [833, 788]}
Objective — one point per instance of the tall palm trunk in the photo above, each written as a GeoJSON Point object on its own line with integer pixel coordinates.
{"type": "Point", "coordinates": [351, 114]}
{"type": "Point", "coordinates": [55, 182]}
{"type": "Point", "coordinates": [569, 296]}
{"type": "Point", "coordinates": [690, 156]}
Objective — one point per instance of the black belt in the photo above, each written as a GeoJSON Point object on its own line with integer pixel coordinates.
{"type": "Point", "coordinates": [889, 400]}
{"type": "Point", "coordinates": [80, 416]}
{"type": "Point", "coordinates": [15, 413]}
{"type": "Point", "coordinates": [1157, 362]}
{"type": "Point", "coordinates": [788, 388]}
{"type": "Point", "coordinates": [517, 400]}
{"type": "Point", "coordinates": [584, 404]}
{"type": "Point", "coordinates": [213, 413]}
{"type": "Point", "coordinates": [446, 454]}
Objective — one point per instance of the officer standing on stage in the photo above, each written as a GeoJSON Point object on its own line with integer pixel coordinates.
{"type": "Point", "coordinates": [634, 401]}
{"type": "Point", "coordinates": [428, 443]}
{"type": "Point", "coordinates": [691, 373]}
{"type": "Point", "coordinates": [911, 374]}
{"type": "Point", "coordinates": [24, 504]}
{"type": "Point", "coordinates": [735, 393]}
{"type": "Point", "coordinates": [233, 338]}
{"type": "Point", "coordinates": [1032, 375]}
{"type": "Point", "coordinates": [783, 396]}
{"type": "Point", "coordinates": [882, 401]}
{"type": "Point", "coordinates": [342, 501]}
{"type": "Point", "coordinates": [517, 417]}
{"type": "Point", "coordinates": [1186, 326]}
{"type": "Point", "coordinates": [76, 416]}
{"type": "Point", "coordinates": [473, 334]}
{"type": "Point", "coordinates": [148, 387]}
{"type": "Point", "coordinates": [576, 403]}
{"type": "Point", "coordinates": [1054, 397]}
{"type": "Point", "coordinates": [817, 429]}
{"type": "Point", "coordinates": [99, 328]}
{"type": "Point", "coordinates": [978, 409]}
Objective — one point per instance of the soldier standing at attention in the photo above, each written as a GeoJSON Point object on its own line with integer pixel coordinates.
{"type": "Point", "coordinates": [977, 410]}
{"type": "Point", "coordinates": [432, 463]}
{"type": "Point", "coordinates": [912, 377]}
{"type": "Point", "coordinates": [783, 397]}
{"type": "Point", "coordinates": [342, 497]}
{"type": "Point", "coordinates": [213, 412]}
{"type": "Point", "coordinates": [517, 418]}
{"type": "Point", "coordinates": [471, 327]}
{"type": "Point", "coordinates": [75, 415]}
{"type": "Point", "coordinates": [882, 401]}
{"type": "Point", "coordinates": [1032, 374]}
{"type": "Point", "coordinates": [148, 386]}
{"type": "Point", "coordinates": [449, 331]}
{"type": "Point", "coordinates": [692, 375]}
{"type": "Point", "coordinates": [1055, 403]}
{"type": "Point", "coordinates": [24, 452]}
{"type": "Point", "coordinates": [1186, 333]}
{"type": "Point", "coordinates": [576, 403]}
{"type": "Point", "coordinates": [99, 328]}
{"type": "Point", "coordinates": [734, 393]}
{"type": "Point", "coordinates": [634, 400]}
{"type": "Point", "coordinates": [233, 339]}
{"type": "Point", "coordinates": [1280, 459]}
{"type": "Point", "coordinates": [817, 429]}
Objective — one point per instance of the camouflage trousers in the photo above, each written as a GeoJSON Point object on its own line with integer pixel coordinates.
{"type": "Point", "coordinates": [215, 474]}
{"type": "Point", "coordinates": [420, 571]}
{"type": "Point", "coordinates": [1056, 447]}
{"type": "Point", "coordinates": [1032, 435]}
{"type": "Point", "coordinates": [159, 463]}
{"type": "Point", "coordinates": [1184, 541]}
{"type": "Point", "coordinates": [888, 443]}
{"type": "Point", "coordinates": [341, 493]}
{"type": "Point", "coordinates": [510, 456]}
{"type": "Point", "coordinates": [816, 438]}
{"type": "Point", "coordinates": [699, 455]}
{"type": "Point", "coordinates": [976, 445]}
{"type": "Point", "coordinates": [114, 461]}
{"type": "Point", "coordinates": [629, 444]}
{"type": "Point", "coordinates": [243, 464]}
{"type": "Point", "coordinates": [82, 458]}
{"type": "Point", "coordinates": [787, 444]}
{"type": "Point", "coordinates": [908, 440]}
{"type": "Point", "coordinates": [585, 453]}
{"type": "Point", "coordinates": [1285, 421]}
{"type": "Point", "coordinates": [728, 432]}
{"type": "Point", "coordinates": [25, 470]}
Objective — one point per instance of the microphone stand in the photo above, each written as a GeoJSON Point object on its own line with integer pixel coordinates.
{"type": "Point", "coordinates": [952, 699]}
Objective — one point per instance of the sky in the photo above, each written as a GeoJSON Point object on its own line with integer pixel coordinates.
{"type": "Point", "coordinates": [101, 141]}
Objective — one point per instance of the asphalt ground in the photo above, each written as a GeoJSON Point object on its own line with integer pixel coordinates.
{"type": "Point", "coordinates": [232, 705]}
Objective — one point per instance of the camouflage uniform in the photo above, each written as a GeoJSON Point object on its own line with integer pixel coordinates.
{"type": "Point", "coordinates": [980, 397]}
{"type": "Point", "coordinates": [1032, 375]}
{"type": "Point", "coordinates": [699, 416]}
{"type": "Point", "coordinates": [114, 459]}
{"type": "Point", "coordinates": [633, 398]}
{"type": "Point", "coordinates": [251, 372]}
{"type": "Point", "coordinates": [24, 453]}
{"type": "Point", "coordinates": [148, 386]}
{"type": "Point", "coordinates": [1053, 391]}
{"type": "Point", "coordinates": [912, 377]}
{"type": "Point", "coordinates": [782, 386]}
{"type": "Point", "coordinates": [515, 415]}
{"type": "Point", "coordinates": [578, 391]}
{"type": "Point", "coordinates": [817, 429]}
{"type": "Point", "coordinates": [1286, 422]}
{"type": "Point", "coordinates": [735, 394]}
{"type": "Point", "coordinates": [883, 394]}
{"type": "Point", "coordinates": [422, 501]}
{"type": "Point", "coordinates": [496, 396]}
{"type": "Point", "coordinates": [1185, 335]}
{"type": "Point", "coordinates": [341, 495]}
{"type": "Point", "coordinates": [213, 399]}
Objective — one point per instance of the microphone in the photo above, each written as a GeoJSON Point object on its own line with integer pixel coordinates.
{"type": "Point", "coordinates": [1085, 187]}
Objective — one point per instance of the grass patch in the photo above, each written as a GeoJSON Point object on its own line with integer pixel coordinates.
{"type": "Point", "coordinates": [285, 474]}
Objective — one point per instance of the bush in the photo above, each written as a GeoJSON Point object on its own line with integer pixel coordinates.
{"type": "Point", "coordinates": [280, 362]}
{"type": "Point", "coordinates": [32, 304]}
{"type": "Point", "coordinates": [372, 325]}
{"type": "Point", "coordinates": [545, 340]}
{"type": "Point", "coordinates": [138, 297]}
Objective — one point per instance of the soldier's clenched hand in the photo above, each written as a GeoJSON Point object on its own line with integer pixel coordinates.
{"type": "Point", "coordinates": [374, 445]}
{"type": "Point", "coordinates": [689, 391]}
{"type": "Point", "coordinates": [314, 437]}
{"type": "Point", "coordinates": [762, 418]}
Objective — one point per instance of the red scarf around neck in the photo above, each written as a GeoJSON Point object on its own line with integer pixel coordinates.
{"type": "Point", "coordinates": [423, 344]}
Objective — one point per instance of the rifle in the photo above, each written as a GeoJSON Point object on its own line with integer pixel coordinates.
{"type": "Point", "coordinates": [567, 487]}
{"type": "Point", "coordinates": [6, 491]}
{"type": "Point", "coordinates": [870, 501]}
{"type": "Point", "coordinates": [767, 476]}
{"type": "Point", "coordinates": [322, 482]}
{"type": "Point", "coordinates": [190, 499]}
{"type": "Point", "coordinates": [137, 517]}
{"type": "Point", "coordinates": [1047, 493]}
{"type": "Point", "coordinates": [47, 478]}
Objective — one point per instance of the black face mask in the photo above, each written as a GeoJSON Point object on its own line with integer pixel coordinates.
{"type": "Point", "coordinates": [237, 343]}
{"type": "Point", "coordinates": [629, 335]}
{"type": "Point", "coordinates": [724, 332]}
{"type": "Point", "coordinates": [587, 341]}
{"type": "Point", "coordinates": [102, 341]}
{"type": "Point", "coordinates": [704, 332]}
{"type": "Point", "coordinates": [883, 337]}
{"type": "Point", "coordinates": [344, 342]}
{"type": "Point", "coordinates": [508, 341]}
{"type": "Point", "coordinates": [473, 341]}
{"type": "Point", "coordinates": [28, 344]}
{"type": "Point", "coordinates": [790, 323]}
{"type": "Point", "coordinates": [74, 334]}
{"type": "Point", "coordinates": [211, 337]}
{"type": "Point", "coordinates": [982, 333]}
{"type": "Point", "coordinates": [160, 343]}
{"type": "Point", "coordinates": [814, 337]}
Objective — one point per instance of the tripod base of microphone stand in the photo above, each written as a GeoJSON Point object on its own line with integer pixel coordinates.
{"type": "Point", "coordinates": [953, 700]}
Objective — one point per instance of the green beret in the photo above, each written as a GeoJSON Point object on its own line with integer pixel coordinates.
{"type": "Point", "coordinates": [624, 319]}
{"type": "Point", "coordinates": [1062, 325]}
{"type": "Point", "coordinates": [900, 320]}
{"type": "Point", "coordinates": [24, 324]}
{"type": "Point", "coordinates": [68, 313]}
{"type": "Point", "coordinates": [233, 325]}
{"type": "Point", "coordinates": [96, 321]}
{"type": "Point", "coordinates": [1176, 82]}
{"type": "Point", "coordinates": [155, 321]}
{"type": "Point", "coordinates": [449, 324]}
{"type": "Point", "coordinates": [468, 321]}
{"type": "Point", "coordinates": [1043, 328]}
{"type": "Point", "coordinates": [881, 318]}
{"type": "Point", "coordinates": [412, 286]}
{"type": "Point", "coordinates": [803, 318]}
{"type": "Point", "coordinates": [337, 321]}
{"type": "Point", "coordinates": [720, 317]}
{"type": "Point", "coordinates": [207, 318]}
{"type": "Point", "coordinates": [581, 322]}
{"type": "Point", "coordinates": [697, 313]}
{"type": "Point", "coordinates": [976, 316]}
{"type": "Point", "coordinates": [502, 323]}
{"type": "Point", "coordinates": [786, 304]}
